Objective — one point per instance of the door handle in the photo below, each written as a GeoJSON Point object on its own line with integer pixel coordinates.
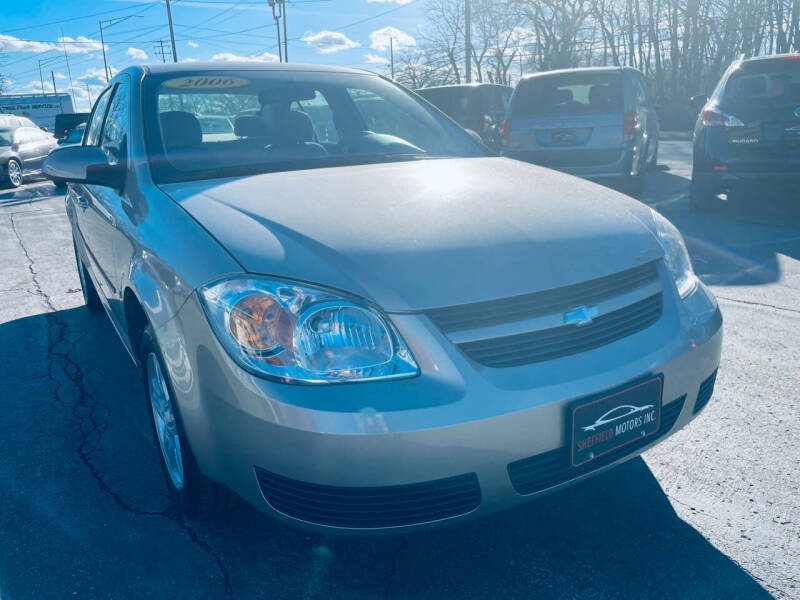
{"type": "Point", "coordinates": [82, 201]}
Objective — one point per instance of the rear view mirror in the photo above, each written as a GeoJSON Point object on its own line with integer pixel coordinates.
{"type": "Point", "coordinates": [287, 94]}
{"type": "Point", "coordinates": [83, 164]}
{"type": "Point", "coordinates": [698, 101]}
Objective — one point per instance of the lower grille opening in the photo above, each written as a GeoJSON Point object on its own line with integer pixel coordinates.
{"type": "Point", "coordinates": [371, 507]}
{"type": "Point", "coordinates": [704, 393]}
{"type": "Point", "coordinates": [537, 473]}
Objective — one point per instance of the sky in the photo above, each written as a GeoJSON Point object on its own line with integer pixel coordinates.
{"type": "Point", "coordinates": [341, 32]}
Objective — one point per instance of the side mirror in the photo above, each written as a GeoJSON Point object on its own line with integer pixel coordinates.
{"type": "Point", "coordinates": [698, 101]}
{"type": "Point", "coordinates": [83, 164]}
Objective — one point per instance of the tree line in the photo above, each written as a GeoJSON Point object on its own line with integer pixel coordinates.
{"type": "Point", "coordinates": [682, 46]}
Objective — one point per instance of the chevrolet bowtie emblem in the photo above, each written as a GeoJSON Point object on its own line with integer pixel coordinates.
{"type": "Point", "coordinates": [580, 315]}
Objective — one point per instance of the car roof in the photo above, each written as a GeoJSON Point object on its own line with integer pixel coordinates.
{"type": "Point", "coordinates": [792, 55]}
{"type": "Point", "coordinates": [457, 86]}
{"type": "Point", "coordinates": [197, 67]}
{"type": "Point", "coordinates": [580, 70]}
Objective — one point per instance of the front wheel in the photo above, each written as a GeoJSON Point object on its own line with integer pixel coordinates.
{"type": "Point", "coordinates": [90, 295]}
{"type": "Point", "coordinates": [190, 491]}
{"type": "Point", "coordinates": [14, 172]}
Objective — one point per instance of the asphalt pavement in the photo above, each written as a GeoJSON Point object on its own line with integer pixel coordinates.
{"type": "Point", "coordinates": [712, 512]}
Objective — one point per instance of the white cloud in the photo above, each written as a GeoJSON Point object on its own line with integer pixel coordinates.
{"type": "Point", "coordinates": [192, 44]}
{"type": "Point", "coordinates": [136, 53]}
{"type": "Point", "coordinates": [400, 2]}
{"type": "Point", "coordinates": [9, 43]}
{"type": "Point", "coordinates": [380, 39]}
{"type": "Point", "coordinates": [375, 59]}
{"type": "Point", "coordinates": [79, 45]}
{"type": "Point", "coordinates": [230, 57]}
{"type": "Point", "coordinates": [59, 76]}
{"type": "Point", "coordinates": [96, 73]}
{"type": "Point", "coordinates": [327, 42]}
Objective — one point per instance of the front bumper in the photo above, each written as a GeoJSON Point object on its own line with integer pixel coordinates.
{"type": "Point", "coordinates": [474, 427]}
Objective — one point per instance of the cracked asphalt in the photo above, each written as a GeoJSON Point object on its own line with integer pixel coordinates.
{"type": "Point", "coordinates": [712, 512]}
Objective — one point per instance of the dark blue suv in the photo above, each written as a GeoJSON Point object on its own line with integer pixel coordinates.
{"type": "Point", "coordinates": [747, 136]}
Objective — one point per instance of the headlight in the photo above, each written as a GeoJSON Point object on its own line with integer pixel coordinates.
{"type": "Point", "coordinates": [297, 333]}
{"type": "Point", "coordinates": [676, 257]}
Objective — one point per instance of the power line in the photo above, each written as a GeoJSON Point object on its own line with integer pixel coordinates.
{"type": "Point", "coordinates": [89, 16]}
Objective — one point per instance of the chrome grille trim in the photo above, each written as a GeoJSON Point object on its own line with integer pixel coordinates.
{"type": "Point", "coordinates": [558, 300]}
{"type": "Point", "coordinates": [556, 342]}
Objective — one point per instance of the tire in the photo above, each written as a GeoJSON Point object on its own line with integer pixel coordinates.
{"type": "Point", "coordinates": [90, 295]}
{"type": "Point", "coordinates": [191, 492]}
{"type": "Point", "coordinates": [700, 197]}
{"type": "Point", "coordinates": [14, 173]}
{"type": "Point", "coordinates": [633, 185]}
{"type": "Point", "coordinates": [652, 164]}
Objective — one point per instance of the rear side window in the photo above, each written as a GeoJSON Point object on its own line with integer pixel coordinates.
{"type": "Point", "coordinates": [569, 93]}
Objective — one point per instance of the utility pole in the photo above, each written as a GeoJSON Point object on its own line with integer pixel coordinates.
{"type": "Point", "coordinates": [109, 23]}
{"type": "Point", "coordinates": [276, 15]}
{"type": "Point", "coordinates": [391, 53]}
{"type": "Point", "coordinates": [69, 73]}
{"type": "Point", "coordinates": [159, 51]}
{"type": "Point", "coordinates": [103, 45]}
{"type": "Point", "coordinates": [468, 40]}
{"type": "Point", "coordinates": [40, 76]}
{"type": "Point", "coordinates": [171, 34]}
{"type": "Point", "coordinates": [285, 36]}
{"type": "Point", "coordinates": [55, 91]}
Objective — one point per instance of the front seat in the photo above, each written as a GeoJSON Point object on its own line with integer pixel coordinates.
{"type": "Point", "coordinates": [296, 139]}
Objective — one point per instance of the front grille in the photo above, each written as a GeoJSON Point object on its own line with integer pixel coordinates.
{"type": "Point", "coordinates": [548, 344]}
{"type": "Point", "coordinates": [371, 507]}
{"type": "Point", "coordinates": [505, 310]}
{"type": "Point", "coordinates": [537, 473]}
{"type": "Point", "coordinates": [704, 393]}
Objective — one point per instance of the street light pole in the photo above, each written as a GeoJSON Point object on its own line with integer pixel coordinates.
{"type": "Point", "coordinates": [103, 45]}
{"type": "Point", "coordinates": [55, 91]}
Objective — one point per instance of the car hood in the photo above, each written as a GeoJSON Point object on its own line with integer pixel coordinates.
{"type": "Point", "coordinates": [425, 233]}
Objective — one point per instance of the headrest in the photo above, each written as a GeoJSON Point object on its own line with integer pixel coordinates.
{"type": "Point", "coordinates": [297, 128]}
{"type": "Point", "coordinates": [250, 126]}
{"type": "Point", "coordinates": [180, 129]}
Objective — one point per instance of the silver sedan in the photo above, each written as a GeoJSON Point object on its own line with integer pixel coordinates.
{"type": "Point", "coordinates": [351, 315]}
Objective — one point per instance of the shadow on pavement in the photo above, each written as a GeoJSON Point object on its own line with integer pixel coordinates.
{"type": "Point", "coordinates": [736, 244]}
{"type": "Point", "coordinates": [83, 512]}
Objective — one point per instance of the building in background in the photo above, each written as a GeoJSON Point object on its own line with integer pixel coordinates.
{"type": "Point", "coordinates": [39, 108]}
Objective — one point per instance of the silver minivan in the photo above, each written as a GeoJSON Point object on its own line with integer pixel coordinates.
{"type": "Point", "coordinates": [596, 122]}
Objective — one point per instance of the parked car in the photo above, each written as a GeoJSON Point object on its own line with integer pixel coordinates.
{"type": "Point", "coordinates": [596, 122]}
{"type": "Point", "coordinates": [66, 122]}
{"type": "Point", "coordinates": [375, 330]}
{"type": "Point", "coordinates": [23, 148]}
{"type": "Point", "coordinates": [747, 135]}
{"type": "Point", "coordinates": [480, 107]}
{"type": "Point", "coordinates": [74, 136]}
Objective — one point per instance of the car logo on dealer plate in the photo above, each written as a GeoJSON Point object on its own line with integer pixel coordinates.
{"type": "Point", "coordinates": [580, 315]}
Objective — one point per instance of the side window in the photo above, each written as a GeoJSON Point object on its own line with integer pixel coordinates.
{"type": "Point", "coordinates": [114, 138]}
{"type": "Point", "coordinates": [96, 120]}
{"type": "Point", "coordinates": [22, 135]}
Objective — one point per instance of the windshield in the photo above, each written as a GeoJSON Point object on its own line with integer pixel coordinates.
{"type": "Point", "coordinates": [6, 137]}
{"type": "Point", "coordinates": [216, 124]}
{"type": "Point", "coordinates": [569, 93]}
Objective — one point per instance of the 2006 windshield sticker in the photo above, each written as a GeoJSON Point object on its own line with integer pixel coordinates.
{"type": "Point", "coordinates": [206, 83]}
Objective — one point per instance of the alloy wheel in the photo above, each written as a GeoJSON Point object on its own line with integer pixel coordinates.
{"type": "Point", "coordinates": [14, 173]}
{"type": "Point", "coordinates": [164, 420]}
